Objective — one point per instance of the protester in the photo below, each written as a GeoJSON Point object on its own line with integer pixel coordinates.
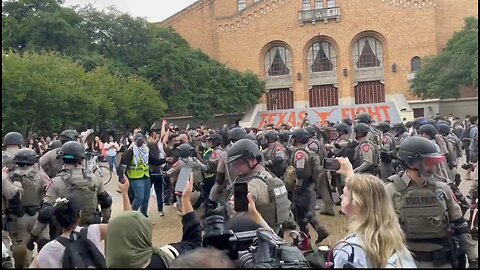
{"type": "Point", "coordinates": [375, 237]}
{"type": "Point", "coordinates": [112, 148]}
{"type": "Point", "coordinates": [129, 238]}
{"type": "Point", "coordinates": [67, 213]}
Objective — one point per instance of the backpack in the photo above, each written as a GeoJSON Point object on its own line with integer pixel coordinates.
{"type": "Point", "coordinates": [82, 186]}
{"type": "Point", "coordinates": [80, 252]}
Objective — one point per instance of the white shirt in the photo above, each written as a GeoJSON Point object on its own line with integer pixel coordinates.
{"type": "Point", "coordinates": [51, 255]}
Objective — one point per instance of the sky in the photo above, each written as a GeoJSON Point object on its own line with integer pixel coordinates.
{"type": "Point", "coordinates": [152, 10]}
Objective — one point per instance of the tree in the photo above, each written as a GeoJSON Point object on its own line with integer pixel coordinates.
{"type": "Point", "coordinates": [456, 66]}
{"type": "Point", "coordinates": [109, 41]}
{"type": "Point", "coordinates": [47, 93]}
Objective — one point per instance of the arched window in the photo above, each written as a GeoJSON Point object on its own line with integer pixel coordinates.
{"type": "Point", "coordinates": [367, 52]}
{"type": "Point", "coordinates": [416, 64]}
{"type": "Point", "coordinates": [306, 5]}
{"type": "Point", "coordinates": [277, 61]}
{"type": "Point", "coordinates": [318, 4]}
{"type": "Point", "coordinates": [321, 57]}
{"type": "Point", "coordinates": [242, 4]}
{"type": "Point", "coordinates": [330, 3]}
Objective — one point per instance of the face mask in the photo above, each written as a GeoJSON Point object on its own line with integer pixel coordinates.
{"type": "Point", "coordinates": [204, 145]}
{"type": "Point", "coordinates": [139, 142]}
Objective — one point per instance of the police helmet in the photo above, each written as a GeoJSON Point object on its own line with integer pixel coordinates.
{"type": "Point", "coordinates": [26, 157]}
{"type": "Point", "coordinates": [271, 136]}
{"type": "Point", "coordinates": [311, 130]}
{"type": "Point", "coordinates": [364, 118]}
{"type": "Point", "coordinates": [399, 128]}
{"type": "Point", "coordinates": [361, 129]}
{"type": "Point", "coordinates": [415, 150]}
{"type": "Point", "coordinates": [428, 129]}
{"type": "Point", "coordinates": [384, 127]}
{"type": "Point", "coordinates": [342, 128]}
{"type": "Point", "coordinates": [13, 138]}
{"type": "Point", "coordinates": [252, 137]}
{"type": "Point", "coordinates": [68, 135]}
{"type": "Point", "coordinates": [300, 135]}
{"type": "Point", "coordinates": [284, 135]}
{"type": "Point", "coordinates": [215, 139]}
{"type": "Point", "coordinates": [348, 121]}
{"type": "Point", "coordinates": [443, 129]}
{"type": "Point", "coordinates": [185, 150]}
{"type": "Point", "coordinates": [245, 149]}
{"type": "Point", "coordinates": [417, 123]}
{"type": "Point", "coordinates": [55, 144]}
{"type": "Point", "coordinates": [72, 152]}
{"type": "Point", "coordinates": [236, 134]}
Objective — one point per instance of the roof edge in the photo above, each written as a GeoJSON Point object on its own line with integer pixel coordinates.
{"type": "Point", "coordinates": [182, 12]}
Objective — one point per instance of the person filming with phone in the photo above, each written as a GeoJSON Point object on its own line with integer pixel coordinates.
{"type": "Point", "coordinates": [375, 238]}
{"type": "Point", "coordinates": [268, 192]}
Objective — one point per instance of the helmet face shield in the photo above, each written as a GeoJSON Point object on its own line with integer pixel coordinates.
{"type": "Point", "coordinates": [432, 164]}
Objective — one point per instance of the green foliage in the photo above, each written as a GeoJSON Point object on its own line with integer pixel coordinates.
{"type": "Point", "coordinates": [47, 92]}
{"type": "Point", "coordinates": [456, 66]}
{"type": "Point", "coordinates": [113, 47]}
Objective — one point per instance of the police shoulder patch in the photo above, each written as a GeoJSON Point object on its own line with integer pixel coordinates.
{"type": "Point", "coordinates": [365, 147]}
{"type": "Point", "coordinates": [214, 155]}
{"type": "Point", "coordinates": [299, 155]}
{"type": "Point", "coordinates": [386, 140]}
{"type": "Point", "coordinates": [279, 148]}
{"type": "Point", "coordinates": [439, 194]}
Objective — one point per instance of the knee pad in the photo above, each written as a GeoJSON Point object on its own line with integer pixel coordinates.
{"type": "Point", "coordinates": [105, 200]}
{"type": "Point", "coordinates": [19, 252]}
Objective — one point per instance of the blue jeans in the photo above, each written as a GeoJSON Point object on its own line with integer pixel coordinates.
{"type": "Point", "coordinates": [112, 162]}
{"type": "Point", "coordinates": [141, 191]}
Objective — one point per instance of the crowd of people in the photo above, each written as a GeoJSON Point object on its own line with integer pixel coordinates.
{"type": "Point", "coordinates": [398, 186]}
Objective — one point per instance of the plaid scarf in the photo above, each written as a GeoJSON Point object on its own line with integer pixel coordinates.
{"type": "Point", "coordinates": [140, 153]}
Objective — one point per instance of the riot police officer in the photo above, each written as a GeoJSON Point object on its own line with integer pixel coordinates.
{"type": "Point", "coordinates": [50, 162]}
{"type": "Point", "coordinates": [11, 193]}
{"type": "Point", "coordinates": [374, 135]}
{"type": "Point", "coordinates": [338, 148]}
{"type": "Point", "coordinates": [225, 174]}
{"type": "Point", "coordinates": [274, 155]}
{"type": "Point", "coordinates": [428, 212]}
{"type": "Point", "coordinates": [454, 147]}
{"type": "Point", "coordinates": [322, 186]}
{"type": "Point", "coordinates": [187, 160]}
{"type": "Point", "coordinates": [23, 215]}
{"type": "Point", "coordinates": [366, 155]}
{"type": "Point", "coordinates": [307, 167]}
{"type": "Point", "coordinates": [387, 152]}
{"type": "Point", "coordinates": [75, 181]}
{"type": "Point", "coordinates": [268, 191]}
{"type": "Point", "coordinates": [13, 141]}
{"type": "Point", "coordinates": [400, 133]}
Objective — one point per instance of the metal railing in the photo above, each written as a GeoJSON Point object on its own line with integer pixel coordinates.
{"type": "Point", "coordinates": [319, 14]}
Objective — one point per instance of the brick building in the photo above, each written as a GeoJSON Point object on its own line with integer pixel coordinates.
{"type": "Point", "coordinates": [316, 53]}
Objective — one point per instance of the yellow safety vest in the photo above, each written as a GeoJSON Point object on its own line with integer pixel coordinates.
{"type": "Point", "coordinates": [138, 172]}
{"type": "Point", "coordinates": [206, 155]}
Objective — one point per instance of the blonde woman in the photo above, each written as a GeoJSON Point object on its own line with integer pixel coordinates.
{"type": "Point", "coordinates": [375, 237]}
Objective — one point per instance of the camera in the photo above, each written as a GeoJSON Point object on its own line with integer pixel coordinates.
{"type": "Point", "coordinates": [252, 249]}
